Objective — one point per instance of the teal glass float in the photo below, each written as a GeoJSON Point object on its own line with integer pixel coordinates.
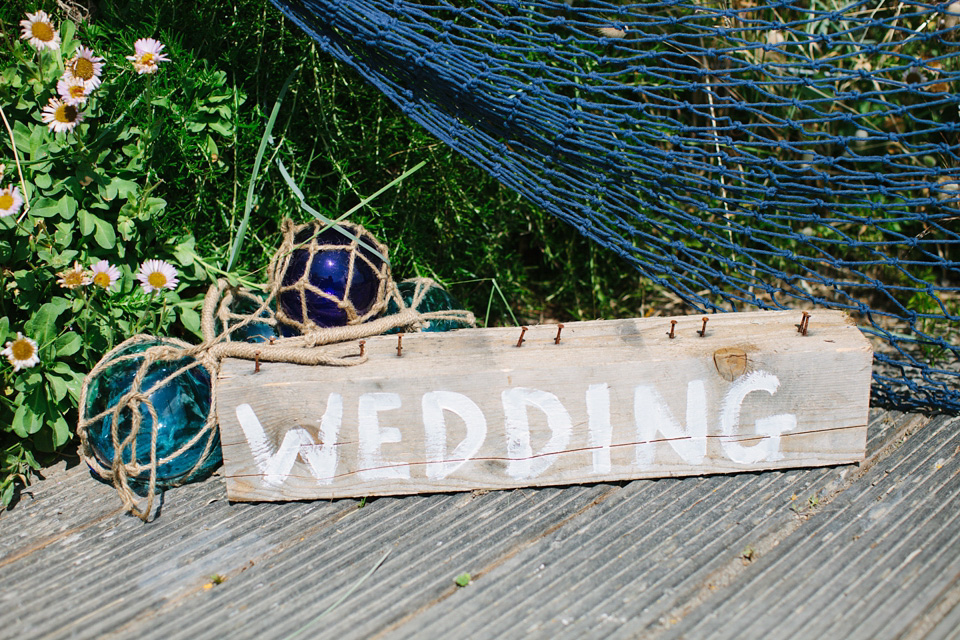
{"type": "Point", "coordinates": [182, 405]}
{"type": "Point", "coordinates": [436, 298]}
{"type": "Point", "coordinates": [248, 304]}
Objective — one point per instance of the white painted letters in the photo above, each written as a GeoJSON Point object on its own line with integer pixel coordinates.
{"type": "Point", "coordinates": [652, 416]}
{"type": "Point", "coordinates": [523, 464]}
{"type": "Point", "coordinates": [322, 458]}
{"type": "Point", "coordinates": [598, 421]}
{"type": "Point", "coordinates": [654, 427]}
{"type": "Point", "coordinates": [768, 428]}
{"type": "Point", "coordinates": [370, 462]}
{"type": "Point", "coordinates": [276, 465]}
{"type": "Point", "coordinates": [435, 431]}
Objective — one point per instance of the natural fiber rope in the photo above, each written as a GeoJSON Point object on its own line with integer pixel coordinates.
{"type": "Point", "coordinates": [318, 346]}
{"type": "Point", "coordinates": [281, 261]}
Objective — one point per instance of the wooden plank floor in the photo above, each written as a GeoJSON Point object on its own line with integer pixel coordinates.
{"type": "Point", "coordinates": [858, 551]}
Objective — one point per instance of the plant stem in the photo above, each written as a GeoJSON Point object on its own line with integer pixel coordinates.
{"type": "Point", "coordinates": [163, 313]}
{"type": "Point", "coordinates": [139, 324]}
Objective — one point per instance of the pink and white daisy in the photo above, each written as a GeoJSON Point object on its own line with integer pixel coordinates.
{"type": "Point", "coordinates": [60, 116]}
{"type": "Point", "coordinates": [147, 55]}
{"type": "Point", "coordinates": [38, 29]}
{"type": "Point", "coordinates": [73, 91]}
{"type": "Point", "coordinates": [10, 201]}
{"type": "Point", "coordinates": [157, 274]}
{"type": "Point", "coordinates": [73, 278]}
{"type": "Point", "coordinates": [86, 67]}
{"type": "Point", "coordinates": [103, 274]}
{"type": "Point", "coordinates": [22, 353]}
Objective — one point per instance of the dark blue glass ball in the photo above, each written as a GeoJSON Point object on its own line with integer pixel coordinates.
{"type": "Point", "coordinates": [435, 298]}
{"type": "Point", "coordinates": [182, 405]}
{"type": "Point", "coordinates": [328, 272]}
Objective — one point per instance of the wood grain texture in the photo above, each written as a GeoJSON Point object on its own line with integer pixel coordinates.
{"type": "Point", "coordinates": [624, 401]}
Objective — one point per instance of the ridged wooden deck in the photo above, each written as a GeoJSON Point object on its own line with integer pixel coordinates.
{"type": "Point", "coordinates": [859, 551]}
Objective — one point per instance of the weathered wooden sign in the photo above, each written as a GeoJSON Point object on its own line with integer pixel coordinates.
{"type": "Point", "coordinates": [611, 400]}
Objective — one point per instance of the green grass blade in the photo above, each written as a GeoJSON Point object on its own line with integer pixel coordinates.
{"type": "Point", "coordinates": [248, 206]}
{"type": "Point", "coordinates": [328, 223]}
{"type": "Point", "coordinates": [332, 224]}
{"type": "Point", "coordinates": [389, 185]}
{"type": "Point", "coordinates": [340, 600]}
{"type": "Point", "coordinates": [494, 288]}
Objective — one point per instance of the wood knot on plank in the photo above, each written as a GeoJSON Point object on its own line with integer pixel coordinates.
{"type": "Point", "coordinates": [731, 362]}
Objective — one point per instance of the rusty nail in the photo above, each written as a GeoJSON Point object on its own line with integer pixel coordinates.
{"type": "Point", "coordinates": [559, 329]}
{"type": "Point", "coordinates": [362, 343]}
{"type": "Point", "coordinates": [673, 325]}
{"type": "Point", "coordinates": [399, 344]}
{"type": "Point", "coordinates": [804, 323]}
{"type": "Point", "coordinates": [523, 330]}
{"type": "Point", "coordinates": [256, 362]}
{"type": "Point", "coordinates": [703, 330]}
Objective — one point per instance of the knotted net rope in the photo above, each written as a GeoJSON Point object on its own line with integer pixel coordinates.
{"type": "Point", "coordinates": [326, 346]}
{"type": "Point", "coordinates": [743, 154]}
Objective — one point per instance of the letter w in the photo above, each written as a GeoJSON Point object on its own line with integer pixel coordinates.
{"type": "Point", "coordinates": [275, 466]}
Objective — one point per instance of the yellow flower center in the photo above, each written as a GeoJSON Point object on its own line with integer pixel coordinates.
{"type": "Point", "coordinates": [66, 113]}
{"type": "Point", "coordinates": [6, 201]}
{"type": "Point", "coordinates": [157, 280]}
{"type": "Point", "coordinates": [42, 31]}
{"type": "Point", "coordinates": [83, 68]}
{"type": "Point", "coordinates": [22, 350]}
{"type": "Point", "coordinates": [102, 279]}
{"type": "Point", "coordinates": [146, 59]}
{"type": "Point", "coordinates": [73, 279]}
{"type": "Point", "coordinates": [76, 91]}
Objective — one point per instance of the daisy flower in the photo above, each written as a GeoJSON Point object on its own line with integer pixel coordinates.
{"type": "Point", "coordinates": [10, 201]}
{"type": "Point", "coordinates": [147, 54]}
{"type": "Point", "coordinates": [61, 116]}
{"type": "Point", "coordinates": [39, 31]}
{"type": "Point", "coordinates": [103, 274]}
{"type": "Point", "coordinates": [22, 352]}
{"type": "Point", "coordinates": [73, 278]}
{"type": "Point", "coordinates": [157, 274]}
{"type": "Point", "coordinates": [86, 67]}
{"type": "Point", "coordinates": [73, 91]}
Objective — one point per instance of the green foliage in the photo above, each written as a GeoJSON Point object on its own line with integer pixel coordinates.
{"type": "Point", "coordinates": [91, 194]}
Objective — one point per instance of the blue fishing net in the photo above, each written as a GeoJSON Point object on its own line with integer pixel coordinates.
{"type": "Point", "coordinates": [741, 153]}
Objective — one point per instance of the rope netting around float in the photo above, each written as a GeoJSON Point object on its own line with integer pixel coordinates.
{"type": "Point", "coordinates": [741, 153]}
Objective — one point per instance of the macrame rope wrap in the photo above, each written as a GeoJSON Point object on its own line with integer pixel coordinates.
{"type": "Point", "coordinates": [121, 473]}
{"type": "Point", "coordinates": [330, 346]}
{"type": "Point", "coordinates": [281, 262]}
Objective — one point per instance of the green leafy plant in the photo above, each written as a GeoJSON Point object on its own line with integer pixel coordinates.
{"type": "Point", "coordinates": [80, 266]}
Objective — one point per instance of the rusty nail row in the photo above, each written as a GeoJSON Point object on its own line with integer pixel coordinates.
{"type": "Point", "coordinates": [523, 331]}
{"type": "Point", "coordinates": [702, 332]}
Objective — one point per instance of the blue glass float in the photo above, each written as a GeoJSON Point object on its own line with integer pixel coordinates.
{"type": "Point", "coordinates": [182, 406]}
{"type": "Point", "coordinates": [435, 298]}
{"type": "Point", "coordinates": [247, 305]}
{"type": "Point", "coordinates": [329, 270]}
